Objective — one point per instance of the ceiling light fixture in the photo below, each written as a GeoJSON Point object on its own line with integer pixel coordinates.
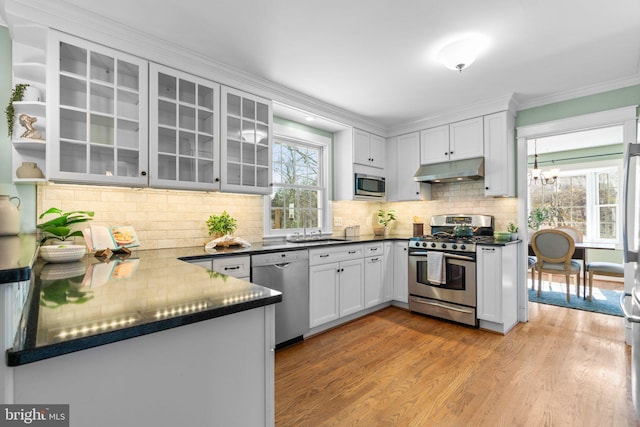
{"type": "Point", "coordinates": [536, 174]}
{"type": "Point", "coordinates": [462, 52]}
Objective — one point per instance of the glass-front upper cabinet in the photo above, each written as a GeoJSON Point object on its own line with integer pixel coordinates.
{"type": "Point", "coordinates": [184, 131]}
{"type": "Point", "coordinates": [246, 142]}
{"type": "Point", "coordinates": [100, 127]}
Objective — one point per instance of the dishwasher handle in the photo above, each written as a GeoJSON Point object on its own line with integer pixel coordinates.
{"type": "Point", "coordinates": [282, 266]}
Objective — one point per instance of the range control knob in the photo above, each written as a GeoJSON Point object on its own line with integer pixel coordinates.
{"type": "Point", "coordinates": [433, 245]}
{"type": "Point", "coordinates": [463, 247]}
{"type": "Point", "coordinates": [424, 245]}
{"type": "Point", "coordinates": [444, 246]}
{"type": "Point", "coordinates": [454, 246]}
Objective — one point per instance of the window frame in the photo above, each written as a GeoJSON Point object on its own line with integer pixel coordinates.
{"type": "Point", "coordinates": [303, 137]}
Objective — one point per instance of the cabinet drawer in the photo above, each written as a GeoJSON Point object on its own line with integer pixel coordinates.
{"type": "Point", "coordinates": [237, 266]}
{"type": "Point", "coordinates": [373, 249]}
{"type": "Point", "coordinates": [342, 253]}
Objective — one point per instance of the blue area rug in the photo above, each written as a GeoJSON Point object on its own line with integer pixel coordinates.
{"type": "Point", "coordinates": [604, 301]}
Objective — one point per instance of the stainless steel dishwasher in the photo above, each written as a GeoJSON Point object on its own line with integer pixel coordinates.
{"type": "Point", "coordinates": [287, 272]}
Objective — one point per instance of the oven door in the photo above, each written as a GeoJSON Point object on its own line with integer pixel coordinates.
{"type": "Point", "coordinates": [460, 286]}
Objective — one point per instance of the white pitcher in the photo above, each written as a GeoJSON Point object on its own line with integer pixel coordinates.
{"type": "Point", "coordinates": [9, 216]}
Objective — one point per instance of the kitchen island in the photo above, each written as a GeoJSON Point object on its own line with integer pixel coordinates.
{"type": "Point", "coordinates": [141, 340]}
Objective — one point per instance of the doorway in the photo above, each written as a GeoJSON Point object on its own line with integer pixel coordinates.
{"type": "Point", "coordinates": [624, 117]}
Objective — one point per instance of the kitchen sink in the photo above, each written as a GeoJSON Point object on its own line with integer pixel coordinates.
{"type": "Point", "coordinates": [308, 240]}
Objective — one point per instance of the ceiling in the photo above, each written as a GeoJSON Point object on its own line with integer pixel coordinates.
{"type": "Point", "coordinates": [376, 58]}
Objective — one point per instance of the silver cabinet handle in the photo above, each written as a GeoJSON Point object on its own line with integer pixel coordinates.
{"type": "Point", "coordinates": [628, 316]}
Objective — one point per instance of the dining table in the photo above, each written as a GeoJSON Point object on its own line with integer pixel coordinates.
{"type": "Point", "coordinates": [580, 254]}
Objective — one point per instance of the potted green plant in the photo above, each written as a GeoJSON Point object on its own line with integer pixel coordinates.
{"type": "Point", "coordinates": [384, 219]}
{"type": "Point", "coordinates": [60, 227]}
{"type": "Point", "coordinates": [513, 229]}
{"type": "Point", "coordinates": [220, 225]}
{"type": "Point", "coordinates": [538, 217]}
{"type": "Point", "coordinates": [16, 95]}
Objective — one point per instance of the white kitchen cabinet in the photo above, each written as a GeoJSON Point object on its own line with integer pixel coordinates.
{"type": "Point", "coordinates": [387, 283]}
{"type": "Point", "coordinates": [99, 129]}
{"type": "Point", "coordinates": [29, 67]}
{"type": "Point", "coordinates": [499, 155]}
{"type": "Point", "coordinates": [336, 283]}
{"type": "Point", "coordinates": [184, 139]}
{"type": "Point", "coordinates": [245, 142]}
{"type": "Point", "coordinates": [352, 151]}
{"type": "Point", "coordinates": [236, 266]}
{"type": "Point", "coordinates": [455, 141]}
{"type": "Point", "coordinates": [497, 294]}
{"type": "Point", "coordinates": [351, 285]}
{"type": "Point", "coordinates": [401, 271]}
{"type": "Point", "coordinates": [368, 149]}
{"type": "Point", "coordinates": [374, 269]}
{"type": "Point", "coordinates": [403, 162]}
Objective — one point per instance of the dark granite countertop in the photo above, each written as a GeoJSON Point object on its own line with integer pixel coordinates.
{"type": "Point", "coordinates": [17, 254]}
{"type": "Point", "coordinates": [88, 303]}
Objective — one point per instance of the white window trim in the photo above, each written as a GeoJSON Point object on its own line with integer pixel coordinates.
{"type": "Point", "coordinates": [296, 134]}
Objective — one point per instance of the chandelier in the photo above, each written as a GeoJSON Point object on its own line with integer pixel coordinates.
{"type": "Point", "coordinates": [536, 175]}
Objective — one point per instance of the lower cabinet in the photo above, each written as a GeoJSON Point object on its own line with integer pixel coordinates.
{"type": "Point", "coordinates": [497, 273]}
{"type": "Point", "coordinates": [401, 271]}
{"type": "Point", "coordinates": [374, 289]}
{"type": "Point", "coordinates": [236, 266]}
{"type": "Point", "coordinates": [336, 283]}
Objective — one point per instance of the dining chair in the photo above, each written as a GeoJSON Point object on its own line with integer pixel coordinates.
{"type": "Point", "coordinates": [531, 264]}
{"type": "Point", "coordinates": [573, 232]}
{"type": "Point", "coordinates": [603, 269]}
{"type": "Point", "coordinates": [553, 250]}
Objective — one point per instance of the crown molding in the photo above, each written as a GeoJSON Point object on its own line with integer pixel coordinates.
{"type": "Point", "coordinates": [75, 21]}
{"type": "Point", "coordinates": [524, 104]}
{"type": "Point", "coordinates": [501, 103]}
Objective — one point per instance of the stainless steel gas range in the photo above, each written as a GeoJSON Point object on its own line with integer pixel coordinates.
{"type": "Point", "coordinates": [442, 267]}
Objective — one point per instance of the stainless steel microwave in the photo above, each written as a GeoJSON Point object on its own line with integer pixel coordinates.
{"type": "Point", "coordinates": [369, 185]}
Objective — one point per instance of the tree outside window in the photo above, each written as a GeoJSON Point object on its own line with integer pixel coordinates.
{"type": "Point", "coordinates": [586, 200]}
{"type": "Point", "coordinates": [297, 186]}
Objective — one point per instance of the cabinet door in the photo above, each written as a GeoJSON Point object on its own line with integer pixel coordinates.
{"type": "Point", "coordinates": [387, 273]}
{"type": "Point", "coordinates": [377, 151]}
{"type": "Point", "coordinates": [489, 271]}
{"type": "Point", "coordinates": [361, 152]}
{"type": "Point", "coordinates": [401, 272]}
{"type": "Point", "coordinates": [100, 97]}
{"type": "Point", "coordinates": [351, 279]}
{"type": "Point", "coordinates": [434, 145]}
{"type": "Point", "coordinates": [373, 281]}
{"type": "Point", "coordinates": [408, 157]}
{"type": "Point", "coordinates": [499, 157]}
{"type": "Point", "coordinates": [466, 139]}
{"type": "Point", "coordinates": [184, 137]}
{"type": "Point", "coordinates": [323, 294]}
{"type": "Point", "coordinates": [245, 142]}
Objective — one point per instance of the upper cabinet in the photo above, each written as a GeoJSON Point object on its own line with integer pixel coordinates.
{"type": "Point", "coordinates": [456, 141]}
{"type": "Point", "coordinates": [99, 126]}
{"type": "Point", "coordinates": [499, 155]}
{"type": "Point", "coordinates": [403, 160]}
{"type": "Point", "coordinates": [184, 140]}
{"type": "Point", "coordinates": [29, 68]}
{"type": "Point", "coordinates": [368, 149]}
{"type": "Point", "coordinates": [246, 142]}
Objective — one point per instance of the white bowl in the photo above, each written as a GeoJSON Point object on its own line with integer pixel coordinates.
{"type": "Point", "coordinates": [62, 253]}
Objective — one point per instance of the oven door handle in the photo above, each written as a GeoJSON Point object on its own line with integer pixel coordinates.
{"type": "Point", "coordinates": [421, 301]}
{"type": "Point", "coordinates": [446, 255]}
{"type": "Point", "coordinates": [461, 257]}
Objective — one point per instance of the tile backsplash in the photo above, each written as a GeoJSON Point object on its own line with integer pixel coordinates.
{"type": "Point", "coordinates": [172, 218]}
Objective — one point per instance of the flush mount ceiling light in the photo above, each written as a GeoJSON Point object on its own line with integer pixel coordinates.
{"type": "Point", "coordinates": [462, 52]}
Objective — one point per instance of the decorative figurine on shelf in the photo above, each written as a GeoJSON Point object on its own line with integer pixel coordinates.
{"type": "Point", "coordinates": [27, 122]}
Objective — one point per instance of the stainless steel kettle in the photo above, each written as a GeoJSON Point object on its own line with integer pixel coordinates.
{"type": "Point", "coordinates": [463, 231]}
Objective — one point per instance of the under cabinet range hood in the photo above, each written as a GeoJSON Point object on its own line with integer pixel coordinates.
{"type": "Point", "coordinates": [457, 170]}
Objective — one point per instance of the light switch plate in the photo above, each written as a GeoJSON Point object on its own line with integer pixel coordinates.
{"type": "Point", "coordinates": [337, 221]}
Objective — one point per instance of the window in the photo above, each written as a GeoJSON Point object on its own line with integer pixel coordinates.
{"type": "Point", "coordinates": [299, 199]}
{"type": "Point", "coordinates": [585, 199]}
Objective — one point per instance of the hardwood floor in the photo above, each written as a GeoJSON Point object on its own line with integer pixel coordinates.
{"type": "Point", "coordinates": [395, 368]}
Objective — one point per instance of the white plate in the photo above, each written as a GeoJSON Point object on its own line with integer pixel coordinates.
{"type": "Point", "coordinates": [62, 253]}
